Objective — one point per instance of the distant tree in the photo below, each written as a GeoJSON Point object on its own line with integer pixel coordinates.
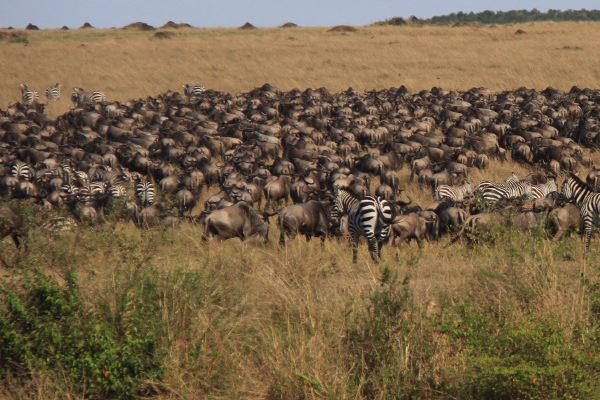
{"type": "Point", "coordinates": [506, 17]}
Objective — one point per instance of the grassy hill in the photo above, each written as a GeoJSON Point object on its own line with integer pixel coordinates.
{"type": "Point", "coordinates": [130, 64]}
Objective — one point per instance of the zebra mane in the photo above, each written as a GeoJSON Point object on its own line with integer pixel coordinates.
{"type": "Point", "coordinates": [580, 182]}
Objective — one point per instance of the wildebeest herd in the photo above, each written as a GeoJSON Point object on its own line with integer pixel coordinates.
{"type": "Point", "coordinates": [153, 159]}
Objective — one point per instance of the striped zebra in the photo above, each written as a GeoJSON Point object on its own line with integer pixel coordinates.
{"type": "Point", "coordinates": [53, 92]}
{"type": "Point", "coordinates": [542, 190]}
{"type": "Point", "coordinates": [193, 91]}
{"type": "Point", "coordinates": [88, 194]}
{"type": "Point", "coordinates": [144, 191]}
{"type": "Point", "coordinates": [68, 173]}
{"type": "Point", "coordinates": [82, 178]}
{"type": "Point", "coordinates": [69, 193]}
{"type": "Point", "coordinates": [28, 94]}
{"type": "Point", "coordinates": [119, 176]}
{"type": "Point", "coordinates": [495, 192]}
{"type": "Point", "coordinates": [453, 193]}
{"type": "Point", "coordinates": [117, 191]}
{"type": "Point", "coordinates": [576, 191]}
{"type": "Point", "coordinates": [370, 217]}
{"type": "Point", "coordinates": [485, 184]}
{"type": "Point", "coordinates": [82, 98]}
{"type": "Point", "coordinates": [22, 171]}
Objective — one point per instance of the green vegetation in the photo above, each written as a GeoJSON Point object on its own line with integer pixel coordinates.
{"type": "Point", "coordinates": [100, 351]}
{"type": "Point", "coordinates": [505, 17]}
{"type": "Point", "coordinates": [105, 313]}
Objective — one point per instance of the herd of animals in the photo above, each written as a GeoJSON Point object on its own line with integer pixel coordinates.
{"type": "Point", "coordinates": [154, 158]}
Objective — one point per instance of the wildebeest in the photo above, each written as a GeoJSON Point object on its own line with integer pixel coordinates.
{"type": "Point", "coordinates": [239, 220]}
{"type": "Point", "coordinates": [12, 223]}
{"type": "Point", "coordinates": [409, 227]}
{"type": "Point", "coordinates": [308, 219]}
{"type": "Point", "coordinates": [563, 220]}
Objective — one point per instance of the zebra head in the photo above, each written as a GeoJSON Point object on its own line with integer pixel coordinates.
{"type": "Point", "coordinates": [23, 87]}
{"type": "Point", "coordinates": [573, 189]}
{"type": "Point", "coordinates": [77, 95]}
{"type": "Point", "coordinates": [468, 188]}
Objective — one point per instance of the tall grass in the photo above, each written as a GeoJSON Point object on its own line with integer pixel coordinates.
{"type": "Point", "coordinates": [245, 320]}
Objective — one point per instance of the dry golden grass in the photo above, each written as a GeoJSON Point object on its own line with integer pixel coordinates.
{"type": "Point", "coordinates": [268, 318]}
{"type": "Point", "coordinates": [129, 64]}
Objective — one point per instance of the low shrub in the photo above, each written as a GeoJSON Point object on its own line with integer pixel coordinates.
{"type": "Point", "coordinates": [99, 352]}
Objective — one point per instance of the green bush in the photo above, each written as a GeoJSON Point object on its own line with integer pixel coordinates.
{"type": "Point", "coordinates": [379, 341]}
{"type": "Point", "coordinates": [99, 353]}
{"type": "Point", "coordinates": [531, 358]}
{"type": "Point", "coordinates": [491, 352]}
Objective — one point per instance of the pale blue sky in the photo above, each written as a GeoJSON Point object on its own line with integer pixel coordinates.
{"type": "Point", "coordinates": [232, 13]}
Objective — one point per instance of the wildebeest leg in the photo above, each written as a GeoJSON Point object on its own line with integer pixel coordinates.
{"type": "Point", "coordinates": [322, 241]}
{"type": "Point", "coordinates": [281, 238]}
{"type": "Point", "coordinates": [17, 238]}
{"type": "Point", "coordinates": [558, 235]}
{"type": "Point", "coordinates": [419, 243]}
{"type": "Point", "coordinates": [308, 237]}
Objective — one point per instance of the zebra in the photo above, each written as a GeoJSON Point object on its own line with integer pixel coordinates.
{"type": "Point", "coordinates": [83, 98]}
{"type": "Point", "coordinates": [68, 173]}
{"type": "Point", "coordinates": [485, 184]}
{"type": "Point", "coordinates": [69, 193]}
{"type": "Point", "coordinates": [495, 192]}
{"type": "Point", "coordinates": [28, 94]}
{"type": "Point", "coordinates": [453, 193]}
{"type": "Point", "coordinates": [144, 191]}
{"type": "Point", "coordinates": [53, 92]}
{"type": "Point", "coordinates": [576, 191]}
{"type": "Point", "coordinates": [93, 194]}
{"type": "Point", "coordinates": [542, 190]}
{"type": "Point", "coordinates": [119, 176]}
{"type": "Point", "coordinates": [193, 91]}
{"type": "Point", "coordinates": [82, 178]}
{"type": "Point", "coordinates": [117, 191]}
{"type": "Point", "coordinates": [21, 171]}
{"type": "Point", "coordinates": [370, 217]}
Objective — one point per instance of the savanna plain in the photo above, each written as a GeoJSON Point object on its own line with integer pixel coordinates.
{"type": "Point", "coordinates": [116, 312]}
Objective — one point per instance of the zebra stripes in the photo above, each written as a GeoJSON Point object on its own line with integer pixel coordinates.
{"type": "Point", "coordinates": [542, 190]}
{"type": "Point", "coordinates": [144, 191]}
{"type": "Point", "coordinates": [453, 193]}
{"type": "Point", "coordinates": [82, 98]}
{"type": "Point", "coordinates": [506, 191]}
{"type": "Point", "coordinates": [117, 191]}
{"type": "Point", "coordinates": [53, 92]}
{"type": "Point", "coordinates": [193, 91]}
{"type": "Point", "coordinates": [28, 94]}
{"type": "Point", "coordinates": [21, 171]}
{"type": "Point", "coordinates": [370, 217]}
{"type": "Point", "coordinates": [578, 192]}
{"type": "Point", "coordinates": [512, 188]}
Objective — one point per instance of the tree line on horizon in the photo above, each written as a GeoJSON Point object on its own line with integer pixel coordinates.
{"type": "Point", "coordinates": [503, 17]}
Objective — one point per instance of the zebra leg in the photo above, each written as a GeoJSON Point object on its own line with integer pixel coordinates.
{"type": "Point", "coordinates": [588, 234]}
{"type": "Point", "coordinates": [379, 247]}
{"type": "Point", "coordinates": [374, 249]}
